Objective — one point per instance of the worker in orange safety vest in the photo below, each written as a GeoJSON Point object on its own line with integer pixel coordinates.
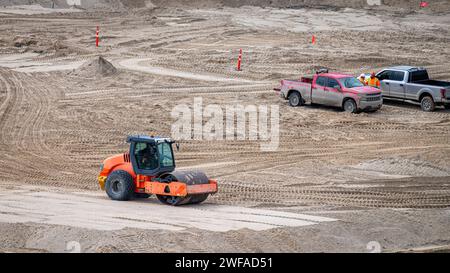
{"type": "Point", "coordinates": [373, 81]}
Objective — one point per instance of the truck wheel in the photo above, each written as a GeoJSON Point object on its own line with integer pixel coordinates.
{"type": "Point", "coordinates": [427, 104]}
{"type": "Point", "coordinates": [447, 106]}
{"type": "Point", "coordinates": [350, 106]}
{"type": "Point", "coordinates": [120, 186]}
{"type": "Point", "coordinates": [295, 99]}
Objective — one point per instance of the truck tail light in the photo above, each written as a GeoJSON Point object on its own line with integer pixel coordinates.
{"type": "Point", "coordinates": [279, 89]}
{"type": "Point", "coordinates": [443, 93]}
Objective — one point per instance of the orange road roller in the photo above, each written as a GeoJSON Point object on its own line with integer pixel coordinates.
{"type": "Point", "coordinates": [149, 169]}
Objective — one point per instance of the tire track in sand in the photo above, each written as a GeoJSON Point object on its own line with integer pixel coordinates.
{"type": "Point", "coordinates": [134, 64]}
{"type": "Point", "coordinates": [22, 116]}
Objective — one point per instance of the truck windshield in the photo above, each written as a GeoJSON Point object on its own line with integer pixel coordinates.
{"type": "Point", "coordinates": [350, 82]}
{"type": "Point", "coordinates": [165, 155]}
{"type": "Point", "coordinates": [418, 76]}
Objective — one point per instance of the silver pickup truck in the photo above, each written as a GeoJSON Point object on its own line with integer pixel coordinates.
{"type": "Point", "coordinates": [413, 84]}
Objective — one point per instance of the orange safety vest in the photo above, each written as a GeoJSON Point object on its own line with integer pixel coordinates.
{"type": "Point", "coordinates": [374, 82]}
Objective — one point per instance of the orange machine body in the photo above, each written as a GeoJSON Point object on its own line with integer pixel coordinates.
{"type": "Point", "coordinates": [147, 184]}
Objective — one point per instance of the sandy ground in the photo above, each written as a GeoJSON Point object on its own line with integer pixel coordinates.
{"type": "Point", "coordinates": [34, 9]}
{"type": "Point", "coordinates": [382, 177]}
{"type": "Point", "coordinates": [46, 220]}
{"type": "Point", "coordinates": [23, 205]}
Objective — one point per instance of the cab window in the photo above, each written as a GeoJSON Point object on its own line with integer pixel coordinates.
{"type": "Point", "coordinates": [385, 75]}
{"type": "Point", "coordinates": [165, 155]}
{"type": "Point", "coordinates": [321, 81]}
{"type": "Point", "coordinates": [332, 83]}
{"type": "Point", "coordinates": [146, 156]}
{"type": "Point", "coordinates": [397, 76]}
{"type": "Point", "coordinates": [418, 76]}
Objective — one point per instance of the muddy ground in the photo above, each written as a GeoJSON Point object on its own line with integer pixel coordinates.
{"type": "Point", "coordinates": [381, 176]}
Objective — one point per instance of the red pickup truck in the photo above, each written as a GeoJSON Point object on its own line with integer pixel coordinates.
{"type": "Point", "coordinates": [333, 89]}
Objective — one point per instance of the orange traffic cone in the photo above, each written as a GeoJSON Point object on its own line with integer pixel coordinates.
{"type": "Point", "coordinates": [239, 60]}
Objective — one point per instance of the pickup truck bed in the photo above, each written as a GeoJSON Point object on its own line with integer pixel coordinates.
{"type": "Point", "coordinates": [433, 83]}
{"type": "Point", "coordinates": [302, 80]}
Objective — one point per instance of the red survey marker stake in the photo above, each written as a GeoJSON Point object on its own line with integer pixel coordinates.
{"type": "Point", "coordinates": [97, 39]}
{"type": "Point", "coordinates": [424, 4]}
{"type": "Point", "coordinates": [239, 60]}
{"type": "Point", "coordinates": [313, 40]}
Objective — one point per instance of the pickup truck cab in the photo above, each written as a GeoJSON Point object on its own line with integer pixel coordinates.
{"type": "Point", "coordinates": [333, 89]}
{"type": "Point", "coordinates": [409, 83]}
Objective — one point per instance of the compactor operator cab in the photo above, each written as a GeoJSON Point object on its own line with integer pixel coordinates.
{"type": "Point", "coordinates": [151, 156]}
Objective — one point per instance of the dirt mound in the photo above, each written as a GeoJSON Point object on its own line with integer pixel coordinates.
{"type": "Point", "coordinates": [24, 41]}
{"type": "Point", "coordinates": [99, 67]}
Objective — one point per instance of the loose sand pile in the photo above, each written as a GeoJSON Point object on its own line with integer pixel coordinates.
{"type": "Point", "coordinates": [98, 67]}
